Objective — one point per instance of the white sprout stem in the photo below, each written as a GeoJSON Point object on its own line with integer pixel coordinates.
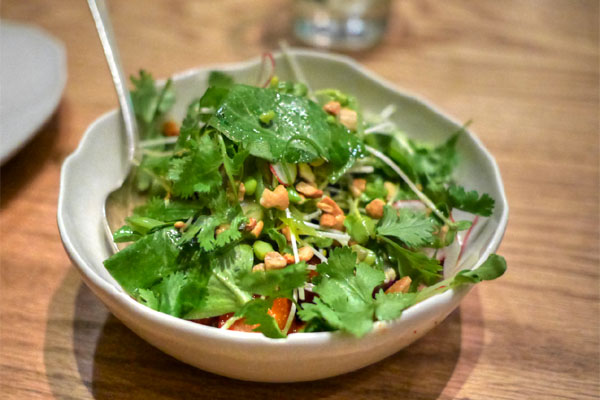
{"type": "Point", "coordinates": [387, 111]}
{"type": "Point", "coordinates": [316, 252]}
{"type": "Point", "coordinates": [382, 127]}
{"type": "Point", "coordinates": [292, 315]}
{"type": "Point", "coordinates": [229, 322]}
{"type": "Point", "coordinates": [365, 169]}
{"type": "Point", "coordinates": [309, 217]}
{"type": "Point", "coordinates": [288, 215]}
{"type": "Point", "coordinates": [319, 255]}
{"type": "Point", "coordinates": [158, 141]}
{"type": "Point", "coordinates": [410, 183]}
{"type": "Point", "coordinates": [330, 233]}
{"type": "Point", "coordinates": [297, 292]}
{"type": "Point", "coordinates": [297, 71]}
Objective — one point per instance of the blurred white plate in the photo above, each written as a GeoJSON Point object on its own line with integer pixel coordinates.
{"type": "Point", "coordinates": [33, 73]}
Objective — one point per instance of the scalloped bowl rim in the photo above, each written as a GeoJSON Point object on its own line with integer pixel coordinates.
{"type": "Point", "coordinates": [96, 282]}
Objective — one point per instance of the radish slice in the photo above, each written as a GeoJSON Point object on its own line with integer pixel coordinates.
{"type": "Point", "coordinates": [451, 256]}
{"type": "Point", "coordinates": [271, 67]}
{"type": "Point", "coordinates": [467, 235]}
{"type": "Point", "coordinates": [284, 172]}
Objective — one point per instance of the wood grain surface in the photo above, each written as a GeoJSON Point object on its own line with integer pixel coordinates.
{"type": "Point", "coordinates": [525, 71]}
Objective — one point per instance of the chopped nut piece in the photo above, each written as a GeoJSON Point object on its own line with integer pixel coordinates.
{"type": "Point", "coordinates": [179, 224]}
{"type": "Point", "coordinates": [309, 190]}
{"type": "Point", "coordinates": [274, 260]}
{"type": "Point", "coordinates": [257, 230]}
{"type": "Point", "coordinates": [221, 228]}
{"type": "Point", "coordinates": [358, 186]}
{"type": "Point", "coordinates": [170, 128]}
{"type": "Point", "coordinates": [289, 258]}
{"type": "Point", "coordinates": [391, 190]}
{"type": "Point", "coordinates": [390, 274]}
{"type": "Point", "coordinates": [348, 118]}
{"type": "Point", "coordinates": [375, 208]}
{"type": "Point", "coordinates": [329, 206]}
{"type": "Point", "coordinates": [250, 224]}
{"type": "Point", "coordinates": [332, 221]}
{"type": "Point", "coordinates": [258, 267]}
{"type": "Point", "coordinates": [306, 172]}
{"type": "Point", "coordinates": [400, 286]}
{"type": "Point", "coordinates": [277, 198]}
{"type": "Point", "coordinates": [241, 191]}
{"type": "Point", "coordinates": [305, 253]}
{"type": "Point", "coordinates": [287, 233]}
{"type": "Point", "coordinates": [332, 107]}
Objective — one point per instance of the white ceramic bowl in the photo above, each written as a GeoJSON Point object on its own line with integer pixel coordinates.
{"type": "Point", "coordinates": [99, 161]}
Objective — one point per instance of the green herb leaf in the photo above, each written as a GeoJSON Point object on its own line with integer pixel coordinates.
{"type": "Point", "coordinates": [148, 101]}
{"type": "Point", "coordinates": [275, 283]}
{"type": "Point", "coordinates": [360, 227]}
{"type": "Point", "coordinates": [412, 228]}
{"type": "Point", "coordinates": [224, 295]}
{"type": "Point", "coordinates": [492, 268]}
{"type": "Point", "coordinates": [418, 266]}
{"type": "Point", "coordinates": [345, 292]}
{"type": "Point", "coordinates": [389, 306]}
{"type": "Point", "coordinates": [198, 169]}
{"type": "Point", "coordinates": [168, 211]}
{"type": "Point", "coordinates": [299, 131]}
{"type": "Point", "coordinates": [256, 311]}
{"type": "Point", "coordinates": [470, 201]}
{"type": "Point", "coordinates": [146, 261]}
{"type": "Point", "coordinates": [220, 79]}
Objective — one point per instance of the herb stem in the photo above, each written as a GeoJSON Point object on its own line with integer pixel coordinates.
{"type": "Point", "coordinates": [410, 184]}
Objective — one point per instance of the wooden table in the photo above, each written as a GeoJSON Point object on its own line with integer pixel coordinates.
{"type": "Point", "coordinates": [526, 73]}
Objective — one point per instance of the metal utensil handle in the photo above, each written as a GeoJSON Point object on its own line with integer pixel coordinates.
{"type": "Point", "coordinates": [105, 32]}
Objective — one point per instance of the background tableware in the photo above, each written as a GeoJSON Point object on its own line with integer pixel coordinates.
{"type": "Point", "coordinates": [341, 24]}
{"type": "Point", "coordinates": [33, 74]}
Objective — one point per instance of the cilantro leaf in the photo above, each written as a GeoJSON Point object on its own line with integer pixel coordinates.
{"type": "Point", "coordinates": [198, 169]}
{"type": "Point", "coordinates": [416, 265]}
{"type": "Point", "coordinates": [256, 311]}
{"type": "Point", "coordinates": [224, 295]}
{"type": "Point", "coordinates": [146, 261]}
{"type": "Point", "coordinates": [345, 292]}
{"type": "Point", "coordinates": [470, 201]}
{"type": "Point", "coordinates": [389, 306]}
{"type": "Point", "coordinates": [412, 228]}
{"type": "Point", "coordinates": [203, 229]}
{"type": "Point", "coordinates": [220, 79]}
{"type": "Point", "coordinates": [150, 102]}
{"type": "Point", "coordinates": [232, 233]}
{"type": "Point", "coordinates": [275, 283]}
{"type": "Point", "coordinates": [172, 210]}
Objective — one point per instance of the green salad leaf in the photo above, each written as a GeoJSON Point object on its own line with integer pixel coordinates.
{"type": "Point", "coordinates": [470, 201]}
{"type": "Point", "coordinates": [146, 261]}
{"type": "Point", "coordinates": [412, 228]}
{"type": "Point", "coordinates": [298, 132]}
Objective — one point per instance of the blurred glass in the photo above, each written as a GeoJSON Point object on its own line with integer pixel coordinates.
{"type": "Point", "coordinates": [341, 24]}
